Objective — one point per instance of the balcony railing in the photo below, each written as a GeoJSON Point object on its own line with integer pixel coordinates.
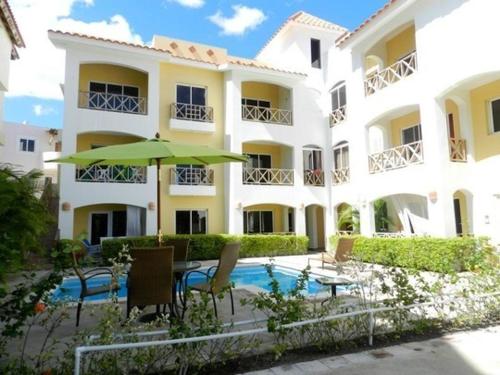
{"type": "Point", "coordinates": [337, 116]}
{"type": "Point", "coordinates": [267, 176]}
{"type": "Point", "coordinates": [397, 157]}
{"type": "Point", "coordinates": [192, 176]}
{"type": "Point", "coordinates": [458, 149]}
{"type": "Point", "coordinates": [314, 177]}
{"type": "Point", "coordinates": [392, 74]}
{"type": "Point", "coordinates": [111, 174]}
{"type": "Point", "coordinates": [269, 115]}
{"type": "Point", "coordinates": [340, 176]}
{"type": "Point", "coordinates": [191, 112]}
{"type": "Point", "coordinates": [112, 102]}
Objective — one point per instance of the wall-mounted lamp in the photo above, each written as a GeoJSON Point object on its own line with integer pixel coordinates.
{"type": "Point", "coordinates": [240, 205]}
{"type": "Point", "coordinates": [66, 206]}
{"type": "Point", "coordinates": [433, 196]}
{"type": "Point", "coordinates": [151, 206]}
{"type": "Point", "coordinates": [486, 219]}
{"type": "Point", "coordinates": [302, 206]}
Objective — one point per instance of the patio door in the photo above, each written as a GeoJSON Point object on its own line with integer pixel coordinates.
{"type": "Point", "coordinates": [99, 227]}
{"type": "Point", "coordinates": [458, 216]}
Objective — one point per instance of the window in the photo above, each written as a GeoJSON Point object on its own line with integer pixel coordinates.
{"type": "Point", "coordinates": [191, 222]}
{"type": "Point", "coordinates": [495, 115]}
{"type": "Point", "coordinates": [339, 99]}
{"type": "Point", "coordinates": [315, 53]}
{"type": "Point", "coordinates": [411, 134]}
{"type": "Point", "coordinates": [191, 95]}
{"type": "Point", "coordinates": [113, 97]}
{"type": "Point", "coordinates": [258, 222]}
{"type": "Point", "coordinates": [256, 109]}
{"type": "Point", "coordinates": [259, 161]}
{"type": "Point", "coordinates": [451, 126]}
{"type": "Point", "coordinates": [313, 160]}
{"type": "Point", "coordinates": [27, 145]}
{"type": "Point", "coordinates": [341, 156]}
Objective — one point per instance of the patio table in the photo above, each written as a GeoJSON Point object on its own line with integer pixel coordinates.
{"type": "Point", "coordinates": [333, 282]}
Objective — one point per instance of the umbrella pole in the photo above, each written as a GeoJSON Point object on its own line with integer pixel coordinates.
{"type": "Point", "coordinates": [158, 203]}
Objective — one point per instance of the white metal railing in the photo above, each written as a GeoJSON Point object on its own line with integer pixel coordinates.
{"type": "Point", "coordinates": [269, 115]}
{"type": "Point", "coordinates": [192, 176]}
{"type": "Point", "coordinates": [111, 174]}
{"type": "Point", "coordinates": [191, 112]}
{"type": "Point", "coordinates": [458, 149]}
{"type": "Point", "coordinates": [368, 312]}
{"type": "Point", "coordinates": [112, 102]}
{"type": "Point", "coordinates": [340, 176]}
{"type": "Point", "coordinates": [337, 116]}
{"type": "Point", "coordinates": [314, 177]}
{"type": "Point", "coordinates": [267, 176]}
{"type": "Point", "coordinates": [392, 74]}
{"type": "Point", "coordinates": [390, 235]}
{"type": "Point", "coordinates": [396, 157]}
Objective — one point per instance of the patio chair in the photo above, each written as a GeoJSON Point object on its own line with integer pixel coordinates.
{"type": "Point", "coordinates": [150, 279]}
{"type": "Point", "coordinates": [342, 254]}
{"type": "Point", "coordinates": [91, 249]}
{"type": "Point", "coordinates": [220, 279]}
{"type": "Point", "coordinates": [85, 276]}
{"type": "Point", "coordinates": [181, 247]}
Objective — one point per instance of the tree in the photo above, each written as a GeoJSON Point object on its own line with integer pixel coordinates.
{"type": "Point", "coordinates": [382, 219]}
{"type": "Point", "coordinates": [348, 219]}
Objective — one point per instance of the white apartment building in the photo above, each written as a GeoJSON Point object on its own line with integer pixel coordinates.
{"type": "Point", "coordinates": [400, 116]}
{"type": "Point", "coordinates": [29, 147]}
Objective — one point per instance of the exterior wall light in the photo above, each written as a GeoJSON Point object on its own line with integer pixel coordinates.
{"type": "Point", "coordinates": [433, 196]}
{"type": "Point", "coordinates": [66, 206]}
{"type": "Point", "coordinates": [151, 206]}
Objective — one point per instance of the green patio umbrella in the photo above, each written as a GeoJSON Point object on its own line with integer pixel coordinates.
{"type": "Point", "coordinates": [150, 152]}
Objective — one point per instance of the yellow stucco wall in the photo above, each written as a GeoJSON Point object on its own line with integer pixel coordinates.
{"type": "Point", "coordinates": [263, 91]}
{"type": "Point", "coordinates": [486, 143]}
{"type": "Point", "coordinates": [398, 124]}
{"type": "Point", "coordinates": [400, 45]}
{"type": "Point", "coordinates": [277, 214]}
{"type": "Point", "coordinates": [81, 216]}
{"type": "Point", "coordinates": [85, 141]}
{"type": "Point", "coordinates": [451, 107]}
{"type": "Point", "coordinates": [170, 76]}
{"type": "Point", "coordinates": [463, 210]}
{"type": "Point", "coordinates": [107, 73]}
{"type": "Point", "coordinates": [274, 151]}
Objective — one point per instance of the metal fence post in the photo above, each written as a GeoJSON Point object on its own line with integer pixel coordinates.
{"type": "Point", "coordinates": [371, 324]}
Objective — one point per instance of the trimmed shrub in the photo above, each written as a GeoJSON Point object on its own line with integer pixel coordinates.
{"type": "Point", "coordinates": [444, 255]}
{"type": "Point", "coordinates": [208, 246]}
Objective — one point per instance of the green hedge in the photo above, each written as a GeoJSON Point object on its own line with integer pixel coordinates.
{"type": "Point", "coordinates": [444, 255]}
{"type": "Point", "coordinates": [208, 246]}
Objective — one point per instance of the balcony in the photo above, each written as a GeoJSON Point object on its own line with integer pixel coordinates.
{"type": "Point", "coordinates": [193, 181]}
{"type": "Point", "coordinates": [396, 157]}
{"type": "Point", "coordinates": [337, 116]}
{"type": "Point", "coordinates": [192, 118]}
{"type": "Point", "coordinates": [267, 176]}
{"type": "Point", "coordinates": [112, 102]}
{"type": "Point", "coordinates": [458, 150]}
{"type": "Point", "coordinates": [340, 176]}
{"type": "Point", "coordinates": [111, 174]}
{"type": "Point", "coordinates": [392, 74]}
{"type": "Point", "coordinates": [267, 115]}
{"type": "Point", "coordinates": [314, 177]}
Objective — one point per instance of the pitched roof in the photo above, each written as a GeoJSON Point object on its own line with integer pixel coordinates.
{"type": "Point", "coordinates": [307, 19]}
{"type": "Point", "coordinates": [348, 35]}
{"type": "Point", "coordinates": [7, 18]}
{"type": "Point", "coordinates": [186, 50]}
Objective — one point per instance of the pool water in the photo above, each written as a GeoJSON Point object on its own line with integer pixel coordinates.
{"type": "Point", "coordinates": [252, 276]}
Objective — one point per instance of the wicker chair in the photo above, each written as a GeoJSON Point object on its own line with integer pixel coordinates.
{"type": "Point", "coordinates": [150, 279]}
{"type": "Point", "coordinates": [220, 279]}
{"type": "Point", "coordinates": [342, 254]}
{"type": "Point", "coordinates": [181, 248]}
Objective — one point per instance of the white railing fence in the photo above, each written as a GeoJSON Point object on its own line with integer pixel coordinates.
{"type": "Point", "coordinates": [370, 314]}
{"type": "Point", "coordinates": [191, 112]}
{"type": "Point", "coordinates": [340, 176]}
{"type": "Point", "coordinates": [338, 115]}
{"type": "Point", "coordinates": [458, 149]}
{"type": "Point", "coordinates": [112, 102]}
{"type": "Point", "coordinates": [267, 176]}
{"type": "Point", "coordinates": [112, 174]}
{"type": "Point", "coordinates": [314, 177]}
{"type": "Point", "coordinates": [192, 176]}
{"type": "Point", "coordinates": [392, 74]}
{"type": "Point", "coordinates": [396, 157]}
{"type": "Point", "coordinates": [269, 115]}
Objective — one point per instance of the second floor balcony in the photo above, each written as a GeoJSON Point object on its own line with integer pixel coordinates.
{"type": "Point", "coordinates": [102, 101]}
{"type": "Point", "coordinates": [396, 157]}
{"type": "Point", "coordinates": [338, 115]}
{"type": "Point", "coordinates": [458, 149]}
{"type": "Point", "coordinates": [111, 174]}
{"type": "Point", "coordinates": [314, 177]}
{"type": "Point", "coordinates": [267, 176]}
{"type": "Point", "coordinates": [192, 181]}
{"type": "Point", "coordinates": [191, 112]}
{"type": "Point", "coordinates": [267, 115]}
{"type": "Point", "coordinates": [340, 176]}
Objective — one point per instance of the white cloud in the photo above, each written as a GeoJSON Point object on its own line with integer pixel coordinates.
{"type": "Point", "coordinates": [243, 19]}
{"type": "Point", "coordinates": [40, 69]}
{"type": "Point", "coordinates": [41, 110]}
{"type": "Point", "coordinates": [190, 3]}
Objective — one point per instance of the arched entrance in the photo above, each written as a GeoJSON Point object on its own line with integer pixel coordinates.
{"type": "Point", "coordinates": [315, 226]}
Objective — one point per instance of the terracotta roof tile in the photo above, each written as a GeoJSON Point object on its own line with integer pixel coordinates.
{"type": "Point", "coordinates": [7, 18]}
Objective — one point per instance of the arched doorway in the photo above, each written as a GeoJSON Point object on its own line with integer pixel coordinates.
{"type": "Point", "coordinates": [315, 226]}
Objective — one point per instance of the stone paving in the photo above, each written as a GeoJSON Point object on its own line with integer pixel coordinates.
{"type": "Point", "coordinates": [463, 353]}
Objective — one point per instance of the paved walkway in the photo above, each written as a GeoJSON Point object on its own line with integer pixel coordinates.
{"type": "Point", "coordinates": [464, 353]}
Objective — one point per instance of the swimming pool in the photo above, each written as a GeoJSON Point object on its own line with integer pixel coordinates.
{"type": "Point", "coordinates": [253, 277]}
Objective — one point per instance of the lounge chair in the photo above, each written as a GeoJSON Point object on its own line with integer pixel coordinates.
{"type": "Point", "coordinates": [342, 254]}
{"type": "Point", "coordinates": [150, 279]}
{"type": "Point", "coordinates": [220, 279]}
{"type": "Point", "coordinates": [91, 249]}
{"type": "Point", "coordinates": [181, 247]}
{"type": "Point", "coordinates": [85, 276]}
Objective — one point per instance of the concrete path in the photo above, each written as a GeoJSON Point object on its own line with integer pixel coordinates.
{"type": "Point", "coordinates": [464, 353]}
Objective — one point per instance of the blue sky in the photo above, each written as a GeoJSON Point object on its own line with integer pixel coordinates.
{"type": "Point", "coordinates": [35, 95]}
